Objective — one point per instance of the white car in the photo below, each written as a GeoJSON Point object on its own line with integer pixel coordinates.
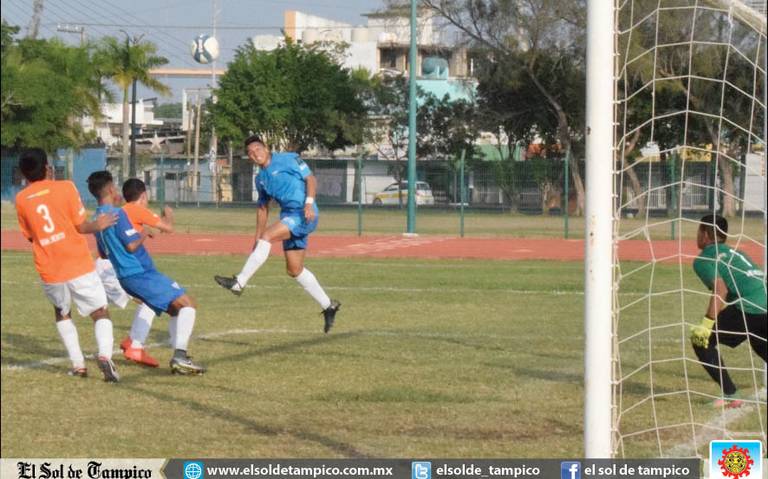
{"type": "Point", "coordinates": [389, 195]}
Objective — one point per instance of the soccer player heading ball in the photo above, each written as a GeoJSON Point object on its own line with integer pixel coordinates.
{"type": "Point", "coordinates": [285, 178]}
{"type": "Point", "coordinates": [737, 307]}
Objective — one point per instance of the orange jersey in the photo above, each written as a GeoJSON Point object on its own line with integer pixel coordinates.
{"type": "Point", "coordinates": [48, 212]}
{"type": "Point", "coordinates": [140, 216]}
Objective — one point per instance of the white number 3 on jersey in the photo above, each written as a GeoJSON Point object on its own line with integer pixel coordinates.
{"type": "Point", "coordinates": [48, 227]}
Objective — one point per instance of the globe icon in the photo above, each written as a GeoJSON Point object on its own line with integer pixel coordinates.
{"type": "Point", "coordinates": [193, 471]}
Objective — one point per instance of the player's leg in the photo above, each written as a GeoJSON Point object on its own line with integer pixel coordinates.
{"type": "Point", "coordinates": [295, 249]}
{"type": "Point", "coordinates": [758, 334]}
{"type": "Point", "coordinates": [184, 311]}
{"type": "Point", "coordinates": [133, 346]}
{"type": "Point", "coordinates": [276, 232]}
{"type": "Point", "coordinates": [58, 295]}
{"type": "Point", "coordinates": [91, 300]}
{"type": "Point", "coordinates": [730, 331]}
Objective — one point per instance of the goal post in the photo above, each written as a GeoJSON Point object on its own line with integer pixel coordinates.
{"type": "Point", "coordinates": [598, 255]}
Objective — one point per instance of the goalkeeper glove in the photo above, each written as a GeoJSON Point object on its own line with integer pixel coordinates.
{"type": "Point", "coordinates": [701, 332]}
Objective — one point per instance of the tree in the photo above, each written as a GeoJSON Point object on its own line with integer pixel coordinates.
{"type": "Point", "coordinates": [295, 97]}
{"type": "Point", "coordinates": [168, 110]}
{"type": "Point", "coordinates": [681, 84]}
{"type": "Point", "coordinates": [124, 63]}
{"type": "Point", "coordinates": [544, 41]}
{"type": "Point", "coordinates": [46, 86]}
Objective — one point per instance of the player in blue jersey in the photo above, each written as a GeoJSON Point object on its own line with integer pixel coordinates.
{"type": "Point", "coordinates": [286, 179]}
{"type": "Point", "coordinates": [123, 246]}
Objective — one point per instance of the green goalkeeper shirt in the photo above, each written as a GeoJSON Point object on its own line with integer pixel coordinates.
{"type": "Point", "coordinates": [743, 278]}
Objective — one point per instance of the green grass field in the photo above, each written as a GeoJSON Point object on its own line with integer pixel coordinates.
{"type": "Point", "coordinates": [427, 359]}
{"type": "Point", "coordinates": [387, 221]}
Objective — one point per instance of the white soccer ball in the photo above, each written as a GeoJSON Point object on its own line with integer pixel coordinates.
{"type": "Point", "coordinates": [205, 49]}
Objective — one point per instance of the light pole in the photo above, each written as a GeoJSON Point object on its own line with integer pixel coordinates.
{"type": "Point", "coordinates": [412, 126]}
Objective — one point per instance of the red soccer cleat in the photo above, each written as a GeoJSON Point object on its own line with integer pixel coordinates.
{"type": "Point", "coordinates": [126, 343]}
{"type": "Point", "coordinates": [140, 356]}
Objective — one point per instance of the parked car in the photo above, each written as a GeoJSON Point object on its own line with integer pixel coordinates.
{"type": "Point", "coordinates": [388, 196]}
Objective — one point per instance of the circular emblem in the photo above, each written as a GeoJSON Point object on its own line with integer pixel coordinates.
{"type": "Point", "coordinates": [193, 471]}
{"type": "Point", "coordinates": [735, 462]}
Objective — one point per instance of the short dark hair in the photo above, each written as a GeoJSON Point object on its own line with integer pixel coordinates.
{"type": "Point", "coordinates": [716, 227]}
{"type": "Point", "coordinates": [32, 164]}
{"type": "Point", "coordinates": [133, 188]}
{"type": "Point", "coordinates": [97, 181]}
{"type": "Point", "coordinates": [253, 139]}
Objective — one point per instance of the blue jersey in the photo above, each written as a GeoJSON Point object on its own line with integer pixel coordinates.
{"type": "Point", "coordinates": [283, 180]}
{"type": "Point", "coordinates": [112, 243]}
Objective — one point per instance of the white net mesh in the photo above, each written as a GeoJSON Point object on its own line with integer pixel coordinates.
{"type": "Point", "coordinates": [690, 140]}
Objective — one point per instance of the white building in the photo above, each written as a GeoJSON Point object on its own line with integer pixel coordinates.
{"type": "Point", "coordinates": [380, 45]}
{"type": "Point", "coordinates": [110, 127]}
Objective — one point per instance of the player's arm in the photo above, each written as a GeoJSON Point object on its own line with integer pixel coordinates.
{"type": "Point", "coordinates": [23, 224]}
{"type": "Point", "coordinates": [309, 210]}
{"type": "Point", "coordinates": [135, 244]}
{"type": "Point", "coordinates": [718, 299]}
{"type": "Point", "coordinates": [100, 223]}
{"type": "Point", "coordinates": [166, 220]}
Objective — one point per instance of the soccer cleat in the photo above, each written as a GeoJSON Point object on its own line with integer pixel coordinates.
{"type": "Point", "coordinates": [728, 402]}
{"type": "Point", "coordinates": [329, 315]}
{"type": "Point", "coordinates": [185, 366]}
{"type": "Point", "coordinates": [78, 372]}
{"type": "Point", "coordinates": [126, 343]}
{"type": "Point", "coordinates": [229, 282]}
{"type": "Point", "coordinates": [140, 356]}
{"type": "Point", "coordinates": [108, 369]}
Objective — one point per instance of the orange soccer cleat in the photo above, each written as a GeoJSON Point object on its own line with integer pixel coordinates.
{"type": "Point", "coordinates": [125, 343]}
{"type": "Point", "coordinates": [140, 356]}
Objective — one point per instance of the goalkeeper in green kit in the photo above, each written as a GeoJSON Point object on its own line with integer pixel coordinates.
{"type": "Point", "coordinates": [737, 307]}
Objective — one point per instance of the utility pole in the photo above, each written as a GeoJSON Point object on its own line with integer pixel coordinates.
{"type": "Point", "coordinates": [214, 147]}
{"type": "Point", "coordinates": [34, 22]}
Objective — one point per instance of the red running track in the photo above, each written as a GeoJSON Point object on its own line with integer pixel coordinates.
{"type": "Point", "coordinates": [431, 247]}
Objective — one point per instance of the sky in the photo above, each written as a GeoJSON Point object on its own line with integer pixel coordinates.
{"type": "Point", "coordinates": [172, 24]}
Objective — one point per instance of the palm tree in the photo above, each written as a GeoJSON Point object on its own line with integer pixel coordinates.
{"type": "Point", "coordinates": [125, 62]}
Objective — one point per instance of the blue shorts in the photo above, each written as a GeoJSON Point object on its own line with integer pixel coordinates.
{"type": "Point", "coordinates": [155, 289]}
{"type": "Point", "coordinates": [300, 229]}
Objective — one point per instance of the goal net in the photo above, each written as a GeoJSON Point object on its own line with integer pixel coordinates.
{"type": "Point", "coordinates": [689, 136]}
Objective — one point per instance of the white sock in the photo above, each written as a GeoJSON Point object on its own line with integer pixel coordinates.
{"type": "Point", "coordinates": [172, 330]}
{"type": "Point", "coordinates": [142, 323]}
{"type": "Point", "coordinates": [69, 336]}
{"type": "Point", "coordinates": [102, 329]}
{"type": "Point", "coordinates": [254, 262]}
{"type": "Point", "coordinates": [184, 325]}
{"type": "Point", "coordinates": [311, 286]}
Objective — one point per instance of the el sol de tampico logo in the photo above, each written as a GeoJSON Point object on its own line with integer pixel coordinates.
{"type": "Point", "coordinates": [735, 459]}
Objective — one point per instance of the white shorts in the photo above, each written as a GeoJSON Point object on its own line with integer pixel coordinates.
{"type": "Point", "coordinates": [115, 293]}
{"type": "Point", "coordinates": [86, 291]}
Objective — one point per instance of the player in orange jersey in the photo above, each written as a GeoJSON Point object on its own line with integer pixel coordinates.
{"type": "Point", "coordinates": [52, 217]}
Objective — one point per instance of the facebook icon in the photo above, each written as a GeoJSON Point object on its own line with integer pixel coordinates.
{"type": "Point", "coordinates": [421, 470]}
{"type": "Point", "coordinates": [570, 470]}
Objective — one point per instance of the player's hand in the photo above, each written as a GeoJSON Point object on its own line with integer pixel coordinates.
{"type": "Point", "coordinates": [701, 332]}
{"type": "Point", "coordinates": [105, 220]}
{"type": "Point", "coordinates": [309, 213]}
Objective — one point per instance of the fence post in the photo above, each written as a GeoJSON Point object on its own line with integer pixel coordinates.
{"type": "Point", "coordinates": [461, 194]}
{"type": "Point", "coordinates": [161, 182]}
{"type": "Point", "coordinates": [360, 195]}
{"type": "Point", "coordinates": [673, 193]}
{"type": "Point", "coordinates": [567, 202]}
